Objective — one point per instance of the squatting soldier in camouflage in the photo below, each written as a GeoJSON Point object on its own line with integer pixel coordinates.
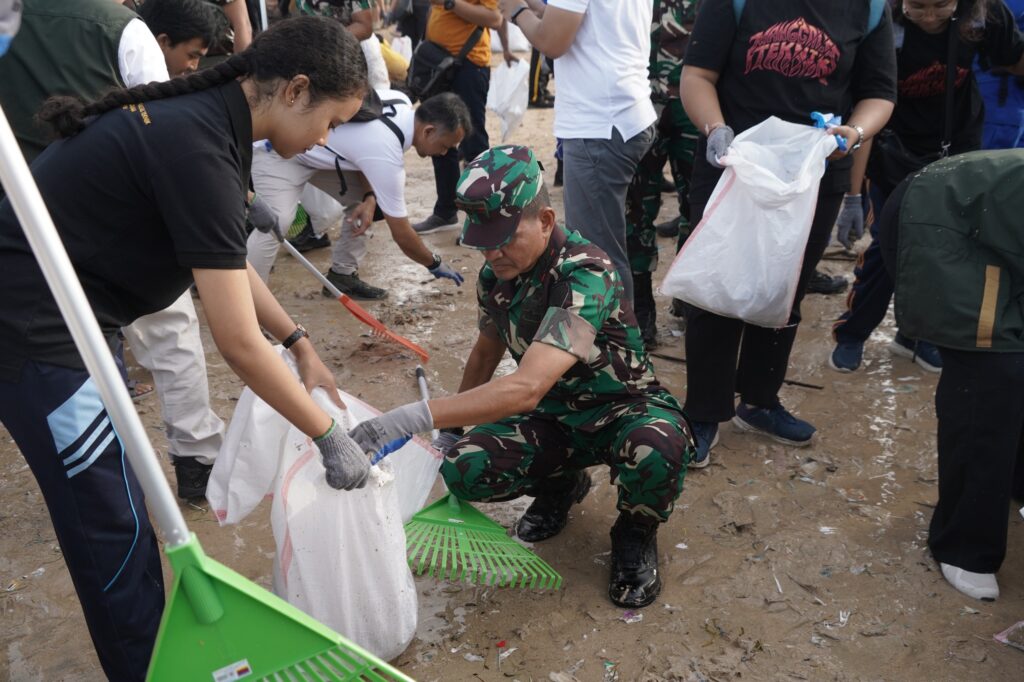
{"type": "Point", "coordinates": [342, 10]}
{"type": "Point", "coordinates": [675, 142]}
{"type": "Point", "coordinates": [584, 392]}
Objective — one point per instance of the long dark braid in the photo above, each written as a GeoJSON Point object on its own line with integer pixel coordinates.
{"type": "Point", "coordinates": [68, 115]}
{"type": "Point", "coordinates": [317, 47]}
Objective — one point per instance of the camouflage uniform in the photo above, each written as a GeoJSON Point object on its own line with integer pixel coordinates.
{"type": "Point", "coordinates": [608, 408]}
{"type": "Point", "coordinates": [676, 139]}
{"type": "Point", "coordinates": [342, 10]}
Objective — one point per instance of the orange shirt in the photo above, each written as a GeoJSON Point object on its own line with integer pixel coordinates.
{"type": "Point", "coordinates": [451, 31]}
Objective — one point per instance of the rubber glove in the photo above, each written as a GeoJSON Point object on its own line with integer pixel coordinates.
{"type": "Point", "coordinates": [850, 223]}
{"type": "Point", "coordinates": [445, 270]}
{"type": "Point", "coordinates": [718, 144]}
{"type": "Point", "coordinates": [261, 216]}
{"type": "Point", "coordinates": [391, 428]}
{"type": "Point", "coordinates": [346, 464]}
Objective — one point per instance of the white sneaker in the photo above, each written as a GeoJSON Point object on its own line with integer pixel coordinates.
{"type": "Point", "coordinates": [981, 586]}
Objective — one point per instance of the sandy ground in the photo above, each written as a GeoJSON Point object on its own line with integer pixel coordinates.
{"type": "Point", "coordinates": [779, 563]}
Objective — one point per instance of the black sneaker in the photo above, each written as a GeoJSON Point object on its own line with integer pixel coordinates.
{"type": "Point", "coordinates": [435, 223]}
{"type": "Point", "coordinates": [353, 286]}
{"type": "Point", "coordinates": [549, 513]}
{"type": "Point", "coordinates": [820, 283]}
{"type": "Point", "coordinates": [634, 581]}
{"type": "Point", "coordinates": [192, 476]}
{"type": "Point", "coordinates": [669, 228]}
{"type": "Point", "coordinates": [307, 240]}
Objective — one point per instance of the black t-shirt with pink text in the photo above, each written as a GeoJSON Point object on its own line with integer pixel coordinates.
{"type": "Point", "coordinates": [921, 68]}
{"type": "Point", "coordinates": [787, 58]}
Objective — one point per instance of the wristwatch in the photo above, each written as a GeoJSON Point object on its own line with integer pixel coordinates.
{"type": "Point", "coordinates": [860, 137]}
{"type": "Point", "coordinates": [449, 5]}
{"type": "Point", "coordinates": [437, 262]}
{"type": "Point", "coordinates": [299, 333]}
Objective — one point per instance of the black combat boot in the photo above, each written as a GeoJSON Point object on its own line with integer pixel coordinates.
{"type": "Point", "coordinates": [645, 308]}
{"type": "Point", "coordinates": [635, 581]}
{"type": "Point", "coordinates": [548, 514]}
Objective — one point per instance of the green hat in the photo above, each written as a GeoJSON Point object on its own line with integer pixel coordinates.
{"type": "Point", "coordinates": [493, 190]}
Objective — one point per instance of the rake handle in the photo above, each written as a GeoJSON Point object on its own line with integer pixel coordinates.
{"type": "Point", "coordinates": [315, 272]}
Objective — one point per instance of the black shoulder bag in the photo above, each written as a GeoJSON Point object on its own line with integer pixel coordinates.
{"type": "Point", "coordinates": [432, 68]}
{"type": "Point", "coordinates": [890, 161]}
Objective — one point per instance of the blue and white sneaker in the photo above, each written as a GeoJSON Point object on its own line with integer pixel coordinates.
{"type": "Point", "coordinates": [705, 437]}
{"type": "Point", "coordinates": [846, 356]}
{"type": "Point", "coordinates": [925, 354]}
{"type": "Point", "coordinates": [776, 423]}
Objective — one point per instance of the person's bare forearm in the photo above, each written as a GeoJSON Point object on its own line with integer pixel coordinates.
{"type": "Point", "coordinates": [483, 361]}
{"type": "Point", "coordinates": [231, 313]}
{"type": "Point", "coordinates": [871, 115]}
{"type": "Point", "coordinates": [269, 313]}
{"type": "Point", "coordinates": [409, 242]}
{"type": "Point", "coordinates": [238, 16]}
{"type": "Point", "coordinates": [699, 95]}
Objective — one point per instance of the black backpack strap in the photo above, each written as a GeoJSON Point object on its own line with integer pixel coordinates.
{"type": "Point", "coordinates": [387, 118]}
{"type": "Point", "coordinates": [471, 42]}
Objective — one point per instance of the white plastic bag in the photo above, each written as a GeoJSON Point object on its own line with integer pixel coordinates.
{"type": "Point", "coordinates": [743, 259]}
{"type": "Point", "coordinates": [377, 70]}
{"type": "Point", "coordinates": [403, 46]}
{"type": "Point", "coordinates": [509, 94]}
{"type": "Point", "coordinates": [341, 555]}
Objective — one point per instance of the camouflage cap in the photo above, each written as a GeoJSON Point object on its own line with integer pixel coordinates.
{"type": "Point", "coordinates": [493, 190]}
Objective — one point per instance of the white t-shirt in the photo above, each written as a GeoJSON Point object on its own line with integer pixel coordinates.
{"type": "Point", "coordinates": [139, 57]}
{"type": "Point", "coordinates": [602, 79]}
{"type": "Point", "coordinates": [374, 149]}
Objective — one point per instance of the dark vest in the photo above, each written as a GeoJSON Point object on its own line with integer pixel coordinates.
{"type": "Point", "coordinates": [960, 258]}
{"type": "Point", "coordinates": [64, 47]}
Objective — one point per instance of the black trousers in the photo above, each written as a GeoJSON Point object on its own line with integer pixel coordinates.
{"type": "Point", "coordinates": [97, 509]}
{"type": "Point", "coordinates": [980, 406]}
{"type": "Point", "coordinates": [471, 84]}
{"type": "Point", "coordinates": [725, 356]}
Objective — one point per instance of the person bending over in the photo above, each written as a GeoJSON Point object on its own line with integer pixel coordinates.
{"type": "Point", "coordinates": [584, 392]}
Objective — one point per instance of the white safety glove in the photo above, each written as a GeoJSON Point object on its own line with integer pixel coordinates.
{"type": "Point", "coordinates": [718, 144]}
{"type": "Point", "coordinates": [850, 223]}
{"type": "Point", "coordinates": [347, 465]}
{"type": "Point", "coordinates": [393, 428]}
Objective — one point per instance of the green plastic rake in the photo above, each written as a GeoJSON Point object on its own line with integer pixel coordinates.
{"type": "Point", "coordinates": [216, 625]}
{"type": "Point", "coordinates": [451, 540]}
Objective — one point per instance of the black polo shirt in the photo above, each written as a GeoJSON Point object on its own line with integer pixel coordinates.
{"type": "Point", "coordinates": [787, 58]}
{"type": "Point", "coordinates": [140, 197]}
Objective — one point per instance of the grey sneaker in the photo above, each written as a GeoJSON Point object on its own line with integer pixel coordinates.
{"type": "Point", "coordinates": [354, 287]}
{"type": "Point", "coordinates": [436, 223]}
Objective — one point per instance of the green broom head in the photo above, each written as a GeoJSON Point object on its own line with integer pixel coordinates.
{"type": "Point", "coordinates": [299, 224]}
{"type": "Point", "coordinates": [218, 626]}
{"type": "Point", "coordinates": [453, 541]}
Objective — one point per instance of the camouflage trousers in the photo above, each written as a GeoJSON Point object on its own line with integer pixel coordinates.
{"type": "Point", "coordinates": [675, 142]}
{"type": "Point", "coordinates": [647, 448]}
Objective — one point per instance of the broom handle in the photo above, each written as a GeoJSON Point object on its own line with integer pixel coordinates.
{"type": "Point", "coordinates": [421, 380]}
{"type": "Point", "coordinates": [74, 306]}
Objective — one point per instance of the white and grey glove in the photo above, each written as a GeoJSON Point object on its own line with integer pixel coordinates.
{"type": "Point", "coordinates": [718, 144]}
{"type": "Point", "coordinates": [347, 465]}
{"type": "Point", "coordinates": [391, 428]}
{"type": "Point", "coordinates": [850, 223]}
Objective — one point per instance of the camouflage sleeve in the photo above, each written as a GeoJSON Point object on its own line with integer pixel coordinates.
{"type": "Point", "coordinates": [573, 323]}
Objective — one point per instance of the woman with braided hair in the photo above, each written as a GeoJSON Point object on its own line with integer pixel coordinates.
{"type": "Point", "coordinates": [147, 187]}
